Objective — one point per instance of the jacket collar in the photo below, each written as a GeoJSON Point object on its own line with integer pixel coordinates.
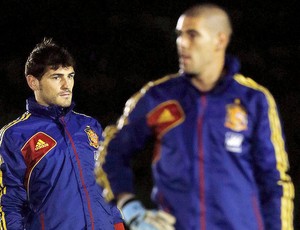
{"type": "Point", "coordinates": [52, 111]}
{"type": "Point", "coordinates": [232, 65]}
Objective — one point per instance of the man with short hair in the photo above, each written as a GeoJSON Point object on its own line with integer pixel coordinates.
{"type": "Point", "coordinates": [219, 160]}
{"type": "Point", "coordinates": [48, 154]}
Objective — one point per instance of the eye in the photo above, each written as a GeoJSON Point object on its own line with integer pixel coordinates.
{"type": "Point", "coordinates": [72, 75]}
{"type": "Point", "coordinates": [192, 34]}
{"type": "Point", "coordinates": [56, 77]}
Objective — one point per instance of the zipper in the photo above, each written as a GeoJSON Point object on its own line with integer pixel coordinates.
{"type": "Point", "coordinates": [80, 172]}
{"type": "Point", "coordinates": [202, 107]}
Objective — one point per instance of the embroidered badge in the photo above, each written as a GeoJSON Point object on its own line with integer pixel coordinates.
{"type": "Point", "coordinates": [236, 117]}
{"type": "Point", "coordinates": [93, 137]}
{"type": "Point", "coordinates": [234, 142]}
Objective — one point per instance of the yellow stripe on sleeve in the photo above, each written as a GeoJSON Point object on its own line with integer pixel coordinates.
{"type": "Point", "coordinates": [25, 116]}
{"type": "Point", "coordinates": [282, 164]}
{"type": "Point", "coordinates": [110, 131]}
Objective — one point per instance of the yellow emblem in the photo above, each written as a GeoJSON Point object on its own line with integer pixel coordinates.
{"type": "Point", "coordinates": [93, 137]}
{"type": "Point", "coordinates": [165, 116]}
{"type": "Point", "coordinates": [236, 117]}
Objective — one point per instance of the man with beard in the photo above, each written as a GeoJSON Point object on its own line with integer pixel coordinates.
{"type": "Point", "coordinates": [48, 154]}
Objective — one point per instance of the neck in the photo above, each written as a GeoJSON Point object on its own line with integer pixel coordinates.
{"type": "Point", "coordinates": [209, 77]}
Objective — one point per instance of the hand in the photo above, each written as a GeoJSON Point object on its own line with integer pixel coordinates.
{"type": "Point", "coordinates": [138, 218]}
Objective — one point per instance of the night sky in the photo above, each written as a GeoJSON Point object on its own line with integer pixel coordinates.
{"type": "Point", "coordinates": [120, 45]}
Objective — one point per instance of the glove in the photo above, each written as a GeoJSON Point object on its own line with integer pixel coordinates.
{"type": "Point", "coordinates": [138, 218]}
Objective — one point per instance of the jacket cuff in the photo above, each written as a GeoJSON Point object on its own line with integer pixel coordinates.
{"type": "Point", "coordinates": [119, 226]}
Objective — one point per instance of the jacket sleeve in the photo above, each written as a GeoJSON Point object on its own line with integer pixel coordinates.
{"type": "Point", "coordinates": [13, 193]}
{"type": "Point", "coordinates": [121, 142]}
{"type": "Point", "coordinates": [271, 167]}
{"type": "Point", "coordinates": [117, 217]}
{"type": "Point", "coordinates": [115, 212]}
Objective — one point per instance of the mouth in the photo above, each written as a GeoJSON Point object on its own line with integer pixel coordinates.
{"type": "Point", "coordinates": [184, 58]}
{"type": "Point", "coordinates": [65, 94]}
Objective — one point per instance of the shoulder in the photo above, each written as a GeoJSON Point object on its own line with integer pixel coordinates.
{"type": "Point", "coordinates": [156, 86]}
{"type": "Point", "coordinates": [152, 89]}
{"type": "Point", "coordinates": [256, 95]}
{"type": "Point", "coordinates": [83, 116]}
{"type": "Point", "coordinates": [165, 82]}
{"type": "Point", "coordinates": [148, 96]}
{"type": "Point", "coordinates": [84, 119]}
{"type": "Point", "coordinates": [14, 126]}
{"type": "Point", "coordinates": [250, 85]}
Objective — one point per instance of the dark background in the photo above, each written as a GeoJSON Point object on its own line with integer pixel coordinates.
{"type": "Point", "coordinates": [120, 45]}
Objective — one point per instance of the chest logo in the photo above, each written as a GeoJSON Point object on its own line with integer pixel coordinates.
{"type": "Point", "coordinates": [35, 149]}
{"type": "Point", "coordinates": [40, 144]}
{"type": "Point", "coordinates": [165, 116]}
{"type": "Point", "coordinates": [37, 146]}
{"type": "Point", "coordinates": [236, 117]}
{"type": "Point", "coordinates": [92, 136]}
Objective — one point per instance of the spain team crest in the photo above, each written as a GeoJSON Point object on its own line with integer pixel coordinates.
{"type": "Point", "coordinates": [93, 137]}
{"type": "Point", "coordinates": [236, 117]}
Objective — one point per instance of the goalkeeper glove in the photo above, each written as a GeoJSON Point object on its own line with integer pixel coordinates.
{"type": "Point", "coordinates": [137, 217]}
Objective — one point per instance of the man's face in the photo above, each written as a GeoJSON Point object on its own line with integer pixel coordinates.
{"type": "Point", "coordinates": [196, 45]}
{"type": "Point", "coordinates": [55, 87]}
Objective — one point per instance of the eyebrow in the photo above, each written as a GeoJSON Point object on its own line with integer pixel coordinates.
{"type": "Point", "coordinates": [61, 74]}
{"type": "Point", "coordinates": [187, 31]}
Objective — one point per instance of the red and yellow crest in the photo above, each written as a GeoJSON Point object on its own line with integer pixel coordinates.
{"type": "Point", "coordinates": [93, 137]}
{"type": "Point", "coordinates": [236, 117]}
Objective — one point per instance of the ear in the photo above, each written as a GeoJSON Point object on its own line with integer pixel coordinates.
{"type": "Point", "coordinates": [222, 41]}
{"type": "Point", "coordinates": [32, 82]}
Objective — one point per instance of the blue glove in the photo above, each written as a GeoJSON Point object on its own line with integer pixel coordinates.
{"type": "Point", "coordinates": [137, 217]}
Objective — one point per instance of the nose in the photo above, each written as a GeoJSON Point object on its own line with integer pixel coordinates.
{"type": "Point", "coordinates": [65, 82]}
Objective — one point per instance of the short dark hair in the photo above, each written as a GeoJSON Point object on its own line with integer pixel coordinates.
{"type": "Point", "coordinates": [210, 10]}
{"type": "Point", "coordinates": [47, 54]}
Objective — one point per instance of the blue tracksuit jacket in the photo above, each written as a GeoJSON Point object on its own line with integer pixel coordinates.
{"type": "Point", "coordinates": [219, 161]}
{"type": "Point", "coordinates": [47, 172]}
